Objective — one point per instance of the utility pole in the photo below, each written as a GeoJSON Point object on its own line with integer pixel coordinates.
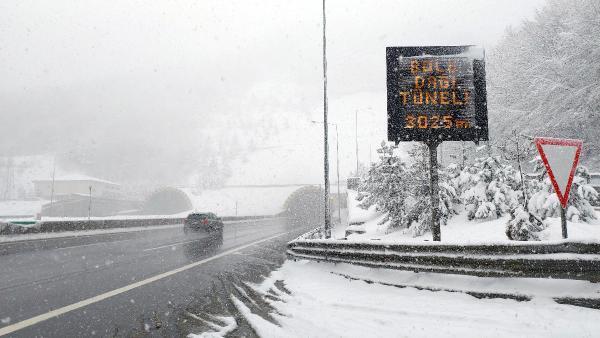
{"type": "Point", "coordinates": [337, 166]}
{"type": "Point", "coordinates": [90, 205]}
{"type": "Point", "coordinates": [337, 159]}
{"type": "Point", "coordinates": [327, 228]}
{"type": "Point", "coordinates": [9, 178]}
{"type": "Point", "coordinates": [356, 138]}
{"type": "Point", "coordinates": [52, 187]}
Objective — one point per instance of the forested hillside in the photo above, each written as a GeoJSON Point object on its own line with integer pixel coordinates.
{"type": "Point", "coordinates": [544, 77]}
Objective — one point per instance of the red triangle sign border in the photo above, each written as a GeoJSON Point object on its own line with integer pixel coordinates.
{"type": "Point", "coordinates": [539, 142]}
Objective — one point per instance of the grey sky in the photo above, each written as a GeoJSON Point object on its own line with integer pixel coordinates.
{"type": "Point", "coordinates": [197, 74]}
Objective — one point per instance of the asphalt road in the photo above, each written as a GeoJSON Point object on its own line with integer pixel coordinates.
{"type": "Point", "coordinates": [132, 284]}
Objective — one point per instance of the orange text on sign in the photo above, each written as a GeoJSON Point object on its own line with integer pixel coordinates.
{"type": "Point", "coordinates": [434, 122]}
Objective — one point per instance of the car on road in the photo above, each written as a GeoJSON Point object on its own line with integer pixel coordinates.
{"type": "Point", "coordinates": [204, 222]}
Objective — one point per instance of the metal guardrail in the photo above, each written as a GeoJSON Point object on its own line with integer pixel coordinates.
{"type": "Point", "coordinates": [570, 260]}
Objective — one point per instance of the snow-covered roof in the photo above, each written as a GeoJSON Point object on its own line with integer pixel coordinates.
{"type": "Point", "coordinates": [21, 208]}
{"type": "Point", "coordinates": [77, 177]}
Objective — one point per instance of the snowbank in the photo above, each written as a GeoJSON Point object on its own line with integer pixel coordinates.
{"type": "Point", "coordinates": [459, 230]}
{"type": "Point", "coordinates": [327, 300]}
{"type": "Point", "coordinates": [356, 214]}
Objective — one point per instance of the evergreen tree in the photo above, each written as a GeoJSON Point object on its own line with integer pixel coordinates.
{"type": "Point", "coordinates": [385, 186]}
{"type": "Point", "coordinates": [419, 208]}
{"type": "Point", "coordinates": [542, 76]}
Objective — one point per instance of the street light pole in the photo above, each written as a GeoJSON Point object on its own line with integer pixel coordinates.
{"type": "Point", "coordinates": [337, 167]}
{"type": "Point", "coordinates": [356, 138]}
{"type": "Point", "coordinates": [337, 160]}
{"type": "Point", "coordinates": [90, 205]}
{"type": "Point", "coordinates": [326, 145]}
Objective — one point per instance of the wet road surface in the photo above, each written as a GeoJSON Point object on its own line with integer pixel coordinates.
{"type": "Point", "coordinates": [132, 284]}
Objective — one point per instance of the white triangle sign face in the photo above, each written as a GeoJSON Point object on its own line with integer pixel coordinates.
{"type": "Point", "coordinates": [560, 157]}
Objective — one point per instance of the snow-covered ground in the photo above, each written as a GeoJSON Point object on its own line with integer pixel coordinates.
{"type": "Point", "coordinates": [462, 231]}
{"type": "Point", "coordinates": [355, 213]}
{"type": "Point", "coordinates": [459, 229]}
{"type": "Point", "coordinates": [327, 300]}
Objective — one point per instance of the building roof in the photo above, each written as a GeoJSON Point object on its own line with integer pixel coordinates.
{"type": "Point", "coordinates": [77, 177]}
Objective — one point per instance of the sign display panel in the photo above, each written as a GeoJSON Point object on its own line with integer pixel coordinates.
{"type": "Point", "coordinates": [436, 94]}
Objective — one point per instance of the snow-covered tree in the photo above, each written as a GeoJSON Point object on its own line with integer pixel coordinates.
{"type": "Point", "coordinates": [541, 76]}
{"type": "Point", "coordinates": [402, 189]}
{"type": "Point", "coordinates": [385, 186]}
{"type": "Point", "coordinates": [419, 206]}
{"type": "Point", "coordinates": [489, 188]}
{"type": "Point", "coordinates": [544, 201]}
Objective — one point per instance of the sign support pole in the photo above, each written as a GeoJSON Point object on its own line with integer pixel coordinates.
{"type": "Point", "coordinates": [434, 190]}
{"type": "Point", "coordinates": [563, 221]}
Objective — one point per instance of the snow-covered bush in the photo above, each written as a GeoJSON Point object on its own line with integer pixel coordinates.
{"type": "Point", "coordinates": [581, 197]}
{"type": "Point", "coordinates": [544, 201]}
{"type": "Point", "coordinates": [523, 226]}
{"type": "Point", "coordinates": [488, 190]}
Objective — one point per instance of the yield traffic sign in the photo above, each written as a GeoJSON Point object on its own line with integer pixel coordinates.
{"type": "Point", "coordinates": [560, 157]}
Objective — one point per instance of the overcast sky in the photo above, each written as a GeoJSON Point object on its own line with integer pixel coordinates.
{"type": "Point", "coordinates": [194, 75]}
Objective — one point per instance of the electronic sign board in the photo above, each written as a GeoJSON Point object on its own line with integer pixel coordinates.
{"type": "Point", "coordinates": [436, 94]}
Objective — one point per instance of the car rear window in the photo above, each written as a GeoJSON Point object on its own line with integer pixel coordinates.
{"type": "Point", "coordinates": [198, 216]}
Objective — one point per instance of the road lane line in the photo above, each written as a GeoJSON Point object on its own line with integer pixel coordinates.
{"type": "Point", "coordinates": [91, 244]}
{"type": "Point", "coordinates": [174, 244]}
{"type": "Point", "coordinates": [44, 236]}
{"type": "Point", "coordinates": [60, 311]}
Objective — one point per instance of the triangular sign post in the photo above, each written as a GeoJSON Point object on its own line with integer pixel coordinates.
{"type": "Point", "coordinates": [560, 156]}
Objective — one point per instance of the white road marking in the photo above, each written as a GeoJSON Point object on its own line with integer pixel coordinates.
{"type": "Point", "coordinates": [92, 244]}
{"type": "Point", "coordinates": [254, 220]}
{"type": "Point", "coordinates": [29, 238]}
{"type": "Point", "coordinates": [174, 244]}
{"type": "Point", "coordinates": [60, 311]}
